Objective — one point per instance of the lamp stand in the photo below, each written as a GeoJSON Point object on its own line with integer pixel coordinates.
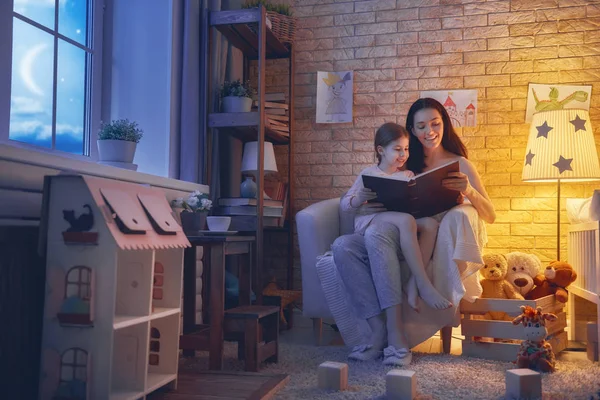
{"type": "Point", "coordinates": [558, 222]}
{"type": "Point", "coordinates": [248, 188]}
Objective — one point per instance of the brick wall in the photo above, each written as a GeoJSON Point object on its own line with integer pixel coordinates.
{"type": "Point", "coordinates": [397, 48]}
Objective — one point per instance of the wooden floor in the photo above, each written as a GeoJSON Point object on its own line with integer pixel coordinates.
{"type": "Point", "coordinates": [209, 385]}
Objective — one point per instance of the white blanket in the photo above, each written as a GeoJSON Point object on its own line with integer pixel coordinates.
{"type": "Point", "coordinates": [457, 258]}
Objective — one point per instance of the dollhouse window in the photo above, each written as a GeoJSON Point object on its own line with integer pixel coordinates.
{"type": "Point", "coordinates": [76, 308]}
{"type": "Point", "coordinates": [73, 374]}
{"type": "Point", "coordinates": [159, 276]}
{"type": "Point", "coordinates": [154, 346]}
{"type": "Point", "coordinates": [78, 283]}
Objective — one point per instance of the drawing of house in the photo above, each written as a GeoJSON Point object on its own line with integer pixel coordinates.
{"type": "Point", "coordinates": [450, 105]}
{"type": "Point", "coordinates": [470, 115]}
{"type": "Point", "coordinates": [114, 267]}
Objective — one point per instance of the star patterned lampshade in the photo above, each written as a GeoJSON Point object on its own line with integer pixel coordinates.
{"type": "Point", "coordinates": [561, 147]}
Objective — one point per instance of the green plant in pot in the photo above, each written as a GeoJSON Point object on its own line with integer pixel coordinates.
{"type": "Point", "coordinates": [237, 96]}
{"type": "Point", "coordinates": [194, 211]}
{"type": "Point", "coordinates": [117, 141]}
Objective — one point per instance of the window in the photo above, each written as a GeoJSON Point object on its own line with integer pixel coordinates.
{"type": "Point", "coordinates": [73, 367]}
{"type": "Point", "coordinates": [54, 70]}
{"type": "Point", "coordinates": [154, 356]}
{"type": "Point", "coordinates": [78, 283]}
{"type": "Point", "coordinates": [157, 290]}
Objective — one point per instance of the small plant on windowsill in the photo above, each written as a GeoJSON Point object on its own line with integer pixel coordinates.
{"type": "Point", "coordinates": [117, 141]}
{"type": "Point", "coordinates": [194, 210]}
{"type": "Point", "coordinates": [237, 96]}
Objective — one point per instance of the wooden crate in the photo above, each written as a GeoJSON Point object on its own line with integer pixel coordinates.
{"type": "Point", "coordinates": [472, 325]}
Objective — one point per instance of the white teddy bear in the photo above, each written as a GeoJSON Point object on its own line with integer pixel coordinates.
{"type": "Point", "coordinates": [522, 268]}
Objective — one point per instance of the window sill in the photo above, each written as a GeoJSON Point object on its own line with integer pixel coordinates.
{"type": "Point", "coordinates": [21, 154]}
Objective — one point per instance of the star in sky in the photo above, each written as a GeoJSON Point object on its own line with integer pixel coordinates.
{"type": "Point", "coordinates": [544, 129]}
{"type": "Point", "coordinates": [578, 123]}
{"type": "Point", "coordinates": [529, 157]}
{"type": "Point", "coordinates": [563, 164]}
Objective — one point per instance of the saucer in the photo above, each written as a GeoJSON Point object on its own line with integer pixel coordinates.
{"type": "Point", "coordinates": [218, 233]}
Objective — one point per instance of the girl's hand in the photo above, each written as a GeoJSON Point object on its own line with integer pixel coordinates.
{"type": "Point", "coordinates": [458, 181]}
{"type": "Point", "coordinates": [409, 174]}
{"type": "Point", "coordinates": [362, 197]}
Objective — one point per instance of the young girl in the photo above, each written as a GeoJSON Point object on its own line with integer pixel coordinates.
{"type": "Point", "coordinates": [391, 148]}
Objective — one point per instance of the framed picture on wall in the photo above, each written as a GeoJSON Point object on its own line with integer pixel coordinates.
{"type": "Point", "coordinates": [334, 97]}
{"type": "Point", "coordinates": [460, 104]}
{"type": "Point", "coordinates": [545, 97]}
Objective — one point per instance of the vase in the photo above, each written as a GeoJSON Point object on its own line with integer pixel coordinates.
{"type": "Point", "coordinates": [116, 150]}
{"type": "Point", "coordinates": [192, 222]}
{"type": "Point", "coordinates": [248, 188]}
{"type": "Point", "coordinates": [234, 104]}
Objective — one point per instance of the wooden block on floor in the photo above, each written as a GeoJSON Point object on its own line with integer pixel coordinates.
{"type": "Point", "coordinates": [400, 384]}
{"type": "Point", "coordinates": [333, 375]}
{"type": "Point", "coordinates": [523, 383]}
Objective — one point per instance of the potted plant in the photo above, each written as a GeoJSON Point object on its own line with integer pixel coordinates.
{"type": "Point", "coordinates": [280, 19]}
{"type": "Point", "coordinates": [194, 210]}
{"type": "Point", "coordinates": [237, 96]}
{"type": "Point", "coordinates": [117, 140]}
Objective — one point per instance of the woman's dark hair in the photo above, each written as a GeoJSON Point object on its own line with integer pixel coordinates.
{"type": "Point", "coordinates": [386, 134]}
{"type": "Point", "coordinates": [450, 140]}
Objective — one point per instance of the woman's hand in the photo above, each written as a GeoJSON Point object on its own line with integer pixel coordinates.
{"type": "Point", "coordinates": [371, 208]}
{"type": "Point", "coordinates": [458, 181]}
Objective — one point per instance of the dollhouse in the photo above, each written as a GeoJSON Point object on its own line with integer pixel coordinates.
{"type": "Point", "coordinates": [114, 266]}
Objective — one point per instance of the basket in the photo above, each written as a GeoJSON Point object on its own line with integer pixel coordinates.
{"type": "Point", "coordinates": [283, 26]}
{"type": "Point", "coordinates": [507, 337]}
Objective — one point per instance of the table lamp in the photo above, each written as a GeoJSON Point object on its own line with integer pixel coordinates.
{"type": "Point", "coordinates": [250, 166]}
{"type": "Point", "coordinates": [561, 148]}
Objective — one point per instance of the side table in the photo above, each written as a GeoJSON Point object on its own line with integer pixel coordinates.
{"type": "Point", "coordinates": [203, 337]}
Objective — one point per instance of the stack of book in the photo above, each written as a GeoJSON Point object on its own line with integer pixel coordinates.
{"type": "Point", "coordinates": [243, 210]}
{"type": "Point", "coordinates": [277, 113]}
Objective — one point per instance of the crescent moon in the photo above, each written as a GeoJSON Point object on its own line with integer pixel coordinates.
{"type": "Point", "coordinates": [26, 68]}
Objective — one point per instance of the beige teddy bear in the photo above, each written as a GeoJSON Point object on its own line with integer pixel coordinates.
{"type": "Point", "coordinates": [494, 284]}
{"type": "Point", "coordinates": [522, 268]}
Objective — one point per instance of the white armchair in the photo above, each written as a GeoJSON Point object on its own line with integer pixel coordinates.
{"type": "Point", "coordinates": [318, 226]}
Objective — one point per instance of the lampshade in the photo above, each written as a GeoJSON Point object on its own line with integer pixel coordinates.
{"type": "Point", "coordinates": [561, 146]}
{"type": "Point", "coordinates": [250, 157]}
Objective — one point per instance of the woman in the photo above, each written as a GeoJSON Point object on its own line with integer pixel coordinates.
{"type": "Point", "coordinates": [456, 257]}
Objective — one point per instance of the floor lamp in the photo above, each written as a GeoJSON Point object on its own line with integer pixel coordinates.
{"type": "Point", "coordinates": [561, 148]}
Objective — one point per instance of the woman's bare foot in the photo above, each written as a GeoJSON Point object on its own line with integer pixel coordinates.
{"type": "Point", "coordinates": [432, 297]}
{"type": "Point", "coordinates": [412, 293]}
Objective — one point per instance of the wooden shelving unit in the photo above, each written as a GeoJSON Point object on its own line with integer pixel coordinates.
{"type": "Point", "coordinates": [247, 30]}
{"type": "Point", "coordinates": [244, 126]}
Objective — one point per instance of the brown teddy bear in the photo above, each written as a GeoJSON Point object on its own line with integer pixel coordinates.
{"type": "Point", "coordinates": [494, 284]}
{"type": "Point", "coordinates": [557, 276]}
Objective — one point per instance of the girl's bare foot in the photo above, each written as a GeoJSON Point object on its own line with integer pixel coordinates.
{"type": "Point", "coordinates": [432, 297]}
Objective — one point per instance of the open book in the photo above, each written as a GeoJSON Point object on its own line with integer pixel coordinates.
{"type": "Point", "coordinates": [422, 196]}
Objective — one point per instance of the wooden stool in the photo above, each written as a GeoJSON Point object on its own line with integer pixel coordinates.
{"type": "Point", "coordinates": [255, 322]}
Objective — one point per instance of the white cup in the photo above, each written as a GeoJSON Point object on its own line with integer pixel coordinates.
{"type": "Point", "coordinates": [218, 224]}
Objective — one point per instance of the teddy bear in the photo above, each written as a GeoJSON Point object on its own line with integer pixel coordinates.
{"type": "Point", "coordinates": [522, 268]}
{"type": "Point", "coordinates": [535, 352]}
{"type": "Point", "coordinates": [494, 284]}
{"type": "Point", "coordinates": [555, 279]}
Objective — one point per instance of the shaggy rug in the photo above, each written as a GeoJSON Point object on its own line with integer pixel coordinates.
{"type": "Point", "coordinates": [439, 376]}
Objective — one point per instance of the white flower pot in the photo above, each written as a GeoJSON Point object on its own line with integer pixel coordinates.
{"type": "Point", "coordinates": [233, 104]}
{"type": "Point", "coordinates": [116, 150]}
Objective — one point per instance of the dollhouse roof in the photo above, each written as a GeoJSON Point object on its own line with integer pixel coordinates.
{"type": "Point", "coordinates": [137, 216]}
{"type": "Point", "coordinates": [470, 106]}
